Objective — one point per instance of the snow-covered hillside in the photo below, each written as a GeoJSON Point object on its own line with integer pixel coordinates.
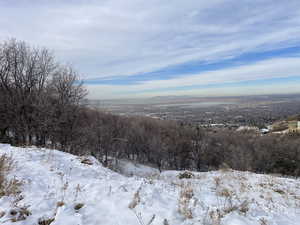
{"type": "Point", "coordinates": [63, 189]}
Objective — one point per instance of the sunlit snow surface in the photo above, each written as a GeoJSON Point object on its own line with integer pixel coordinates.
{"type": "Point", "coordinates": [220, 197]}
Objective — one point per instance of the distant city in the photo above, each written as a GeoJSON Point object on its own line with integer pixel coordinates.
{"type": "Point", "coordinates": [230, 112]}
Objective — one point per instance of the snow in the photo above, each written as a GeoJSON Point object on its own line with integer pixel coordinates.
{"type": "Point", "coordinates": [247, 128]}
{"type": "Point", "coordinates": [219, 197]}
{"type": "Point", "coordinates": [129, 168]}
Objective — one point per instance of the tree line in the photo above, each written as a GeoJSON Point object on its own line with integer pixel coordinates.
{"type": "Point", "coordinates": [172, 145]}
{"type": "Point", "coordinates": [39, 98]}
{"type": "Point", "coordinates": [41, 103]}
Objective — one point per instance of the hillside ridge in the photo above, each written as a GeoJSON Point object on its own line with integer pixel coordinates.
{"type": "Point", "coordinates": [65, 189]}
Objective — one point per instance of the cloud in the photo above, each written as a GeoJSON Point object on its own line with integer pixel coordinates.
{"type": "Point", "coordinates": [273, 68]}
{"type": "Point", "coordinates": [117, 37]}
{"type": "Point", "coordinates": [264, 70]}
{"type": "Point", "coordinates": [111, 38]}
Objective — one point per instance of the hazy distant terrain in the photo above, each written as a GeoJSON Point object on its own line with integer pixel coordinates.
{"type": "Point", "coordinates": [227, 111]}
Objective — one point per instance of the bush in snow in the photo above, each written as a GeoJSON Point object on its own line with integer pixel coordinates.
{"type": "Point", "coordinates": [186, 175]}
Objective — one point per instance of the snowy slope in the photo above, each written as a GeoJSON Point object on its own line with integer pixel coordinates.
{"type": "Point", "coordinates": [129, 168]}
{"type": "Point", "coordinates": [56, 183]}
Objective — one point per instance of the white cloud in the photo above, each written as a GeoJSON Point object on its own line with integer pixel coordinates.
{"type": "Point", "coordinates": [268, 69]}
{"type": "Point", "coordinates": [125, 37]}
{"type": "Point", "coordinates": [118, 37]}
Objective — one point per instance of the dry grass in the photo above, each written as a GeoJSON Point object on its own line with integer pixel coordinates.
{"type": "Point", "coordinates": [215, 217]}
{"type": "Point", "coordinates": [19, 213]}
{"type": "Point", "coordinates": [136, 199]}
{"type": "Point", "coordinates": [225, 192]}
{"type": "Point", "coordinates": [86, 161]}
{"type": "Point", "coordinates": [8, 186]}
{"type": "Point", "coordinates": [217, 181]}
{"type": "Point", "coordinates": [229, 201]}
{"type": "Point", "coordinates": [186, 175]}
{"type": "Point", "coordinates": [60, 204]}
{"type": "Point", "coordinates": [186, 194]}
{"type": "Point", "coordinates": [141, 221]}
{"type": "Point", "coordinates": [279, 191]}
{"type": "Point", "coordinates": [263, 221]}
{"type": "Point", "coordinates": [45, 221]}
{"type": "Point", "coordinates": [11, 187]}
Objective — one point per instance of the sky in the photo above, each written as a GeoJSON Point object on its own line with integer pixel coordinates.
{"type": "Point", "coordinates": [138, 48]}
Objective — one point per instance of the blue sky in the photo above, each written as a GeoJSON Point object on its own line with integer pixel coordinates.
{"type": "Point", "coordinates": [135, 48]}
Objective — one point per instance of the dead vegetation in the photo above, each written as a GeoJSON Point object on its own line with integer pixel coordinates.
{"type": "Point", "coordinates": [78, 206]}
{"type": "Point", "coordinates": [279, 191]}
{"type": "Point", "coordinates": [2, 214]}
{"type": "Point", "coordinates": [86, 161]}
{"type": "Point", "coordinates": [19, 213]}
{"type": "Point", "coordinates": [228, 198]}
{"type": "Point", "coordinates": [136, 199]}
{"type": "Point", "coordinates": [8, 186]}
{"type": "Point", "coordinates": [45, 221]}
{"type": "Point", "coordinates": [60, 204]}
{"type": "Point", "coordinates": [186, 175]}
{"type": "Point", "coordinates": [141, 220]}
{"type": "Point", "coordinates": [184, 204]}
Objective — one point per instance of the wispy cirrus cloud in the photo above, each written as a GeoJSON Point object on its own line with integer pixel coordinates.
{"type": "Point", "coordinates": [279, 68]}
{"type": "Point", "coordinates": [110, 39]}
